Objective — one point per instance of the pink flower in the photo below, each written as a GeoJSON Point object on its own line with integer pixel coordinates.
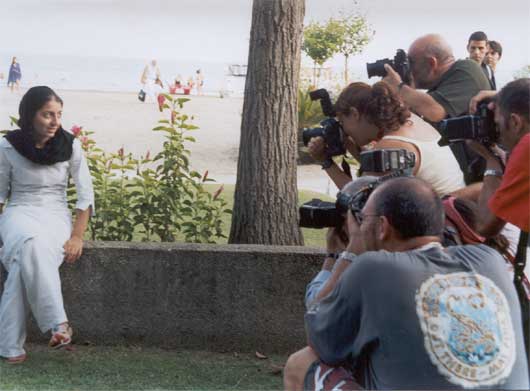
{"type": "Point", "coordinates": [76, 129]}
{"type": "Point", "coordinates": [84, 140]}
{"type": "Point", "coordinates": [161, 99]}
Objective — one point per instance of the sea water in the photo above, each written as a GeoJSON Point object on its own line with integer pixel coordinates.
{"type": "Point", "coordinates": [67, 72]}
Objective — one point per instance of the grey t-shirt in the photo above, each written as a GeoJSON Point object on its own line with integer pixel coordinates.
{"type": "Point", "coordinates": [424, 320]}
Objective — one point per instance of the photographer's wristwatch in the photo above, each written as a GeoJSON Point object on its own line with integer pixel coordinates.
{"type": "Point", "coordinates": [491, 172]}
{"type": "Point", "coordinates": [348, 256]}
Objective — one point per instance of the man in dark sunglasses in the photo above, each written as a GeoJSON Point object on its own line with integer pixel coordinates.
{"type": "Point", "coordinates": [407, 313]}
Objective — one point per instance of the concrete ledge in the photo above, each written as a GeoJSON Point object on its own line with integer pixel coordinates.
{"type": "Point", "coordinates": [213, 297]}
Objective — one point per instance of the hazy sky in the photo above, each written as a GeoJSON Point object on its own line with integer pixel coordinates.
{"type": "Point", "coordinates": [207, 30]}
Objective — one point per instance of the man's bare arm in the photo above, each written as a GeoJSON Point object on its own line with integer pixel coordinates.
{"type": "Point", "coordinates": [422, 104]}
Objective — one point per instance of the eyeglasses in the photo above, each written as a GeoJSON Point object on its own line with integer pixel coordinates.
{"type": "Point", "coordinates": [360, 216]}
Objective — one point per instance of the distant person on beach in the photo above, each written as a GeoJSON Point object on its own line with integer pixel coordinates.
{"type": "Point", "coordinates": [199, 81]}
{"type": "Point", "coordinates": [179, 81]}
{"type": "Point", "coordinates": [13, 81]}
{"type": "Point", "coordinates": [149, 78]}
{"type": "Point", "coordinates": [36, 228]}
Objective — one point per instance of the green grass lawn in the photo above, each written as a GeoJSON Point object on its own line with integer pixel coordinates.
{"type": "Point", "coordinates": [120, 368]}
{"type": "Point", "coordinates": [312, 237]}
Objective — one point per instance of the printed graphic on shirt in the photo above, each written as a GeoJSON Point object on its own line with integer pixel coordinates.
{"type": "Point", "coordinates": [465, 319]}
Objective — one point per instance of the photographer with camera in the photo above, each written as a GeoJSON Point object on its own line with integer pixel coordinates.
{"type": "Point", "coordinates": [374, 114]}
{"type": "Point", "coordinates": [505, 195]}
{"type": "Point", "coordinates": [407, 314]}
{"type": "Point", "coordinates": [450, 85]}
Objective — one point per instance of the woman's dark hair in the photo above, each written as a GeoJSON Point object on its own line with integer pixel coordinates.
{"type": "Point", "coordinates": [378, 103]}
{"type": "Point", "coordinates": [495, 47]}
{"type": "Point", "coordinates": [32, 101]}
{"type": "Point", "coordinates": [469, 212]}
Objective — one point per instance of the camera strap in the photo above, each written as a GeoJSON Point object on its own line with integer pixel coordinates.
{"type": "Point", "coordinates": [519, 265]}
{"type": "Point", "coordinates": [345, 167]}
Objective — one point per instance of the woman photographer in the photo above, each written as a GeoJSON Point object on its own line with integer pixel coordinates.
{"type": "Point", "coordinates": [375, 115]}
{"type": "Point", "coordinates": [36, 230]}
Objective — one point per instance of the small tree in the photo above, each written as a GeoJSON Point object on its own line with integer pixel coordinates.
{"type": "Point", "coordinates": [522, 72]}
{"type": "Point", "coordinates": [355, 35]}
{"type": "Point", "coordinates": [321, 42]}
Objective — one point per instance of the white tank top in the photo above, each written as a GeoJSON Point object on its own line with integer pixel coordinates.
{"type": "Point", "coordinates": [438, 165]}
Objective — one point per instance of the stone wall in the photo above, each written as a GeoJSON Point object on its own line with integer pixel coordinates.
{"type": "Point", "coordinates": [212, 297]}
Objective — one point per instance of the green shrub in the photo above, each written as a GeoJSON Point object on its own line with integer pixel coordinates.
{"type": "Point", "coordinates": [157, 198]}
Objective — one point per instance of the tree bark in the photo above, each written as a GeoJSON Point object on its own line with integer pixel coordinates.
{"type": "Point", "coordinates": [266, 196]}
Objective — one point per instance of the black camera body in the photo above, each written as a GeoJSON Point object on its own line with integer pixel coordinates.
{"type": "Point", "coordinates": [385, 160]}
{"type": "Point", "coordinates": [330, 129]}
{"type": "Point", "coordinates": [480, 127]}
{"type": "Point", "coordinates": [320, 214]}
{"type": "Point", "coordinates": [400, 64]}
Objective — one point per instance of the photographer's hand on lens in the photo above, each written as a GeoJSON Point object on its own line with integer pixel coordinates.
{"type": "Point", "coordinates": [355, 245]}
{"type": "Point", "coordinates": [317, 149]}
{"type": "Point", "coordinates": [478, 98]}
{"type": "Point", "coordinates": [336, 240]}
{"type": "Point", "coordinates": [493, 154]}
{"type": "Point", "coordinates": [392, 78]}
{"type": "Point", "coordinates": [352, 147]}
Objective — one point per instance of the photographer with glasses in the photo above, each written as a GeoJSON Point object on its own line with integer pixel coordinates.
{"type": "Point", "coordinates": [407, 314]}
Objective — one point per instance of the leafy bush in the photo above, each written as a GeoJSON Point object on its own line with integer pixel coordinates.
{"type": "Point", "coordinates": [157, 198]}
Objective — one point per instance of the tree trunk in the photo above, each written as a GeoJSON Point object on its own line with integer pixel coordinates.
{"type": "Point", "coordinates": [266, 197]}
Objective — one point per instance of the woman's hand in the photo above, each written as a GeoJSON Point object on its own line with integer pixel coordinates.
{"type": "Point", "coordinates": [317, 148]}
{"type": "Point", "coordinates": [73, 248]}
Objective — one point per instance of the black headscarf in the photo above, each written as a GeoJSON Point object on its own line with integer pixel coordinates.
{"type": "Point", "coordinates": [57, 149]}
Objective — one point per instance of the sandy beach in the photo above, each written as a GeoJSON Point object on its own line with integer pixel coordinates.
{"type": "Point", "coordinates": [120, 120]}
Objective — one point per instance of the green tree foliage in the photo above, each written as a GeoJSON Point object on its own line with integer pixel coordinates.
{"type": "Point", "coordinates": [321, 42]}
{"type": "Point", "coordinates": [355, 34]}
{"type": "Point", "coordinates": [522, 72]}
